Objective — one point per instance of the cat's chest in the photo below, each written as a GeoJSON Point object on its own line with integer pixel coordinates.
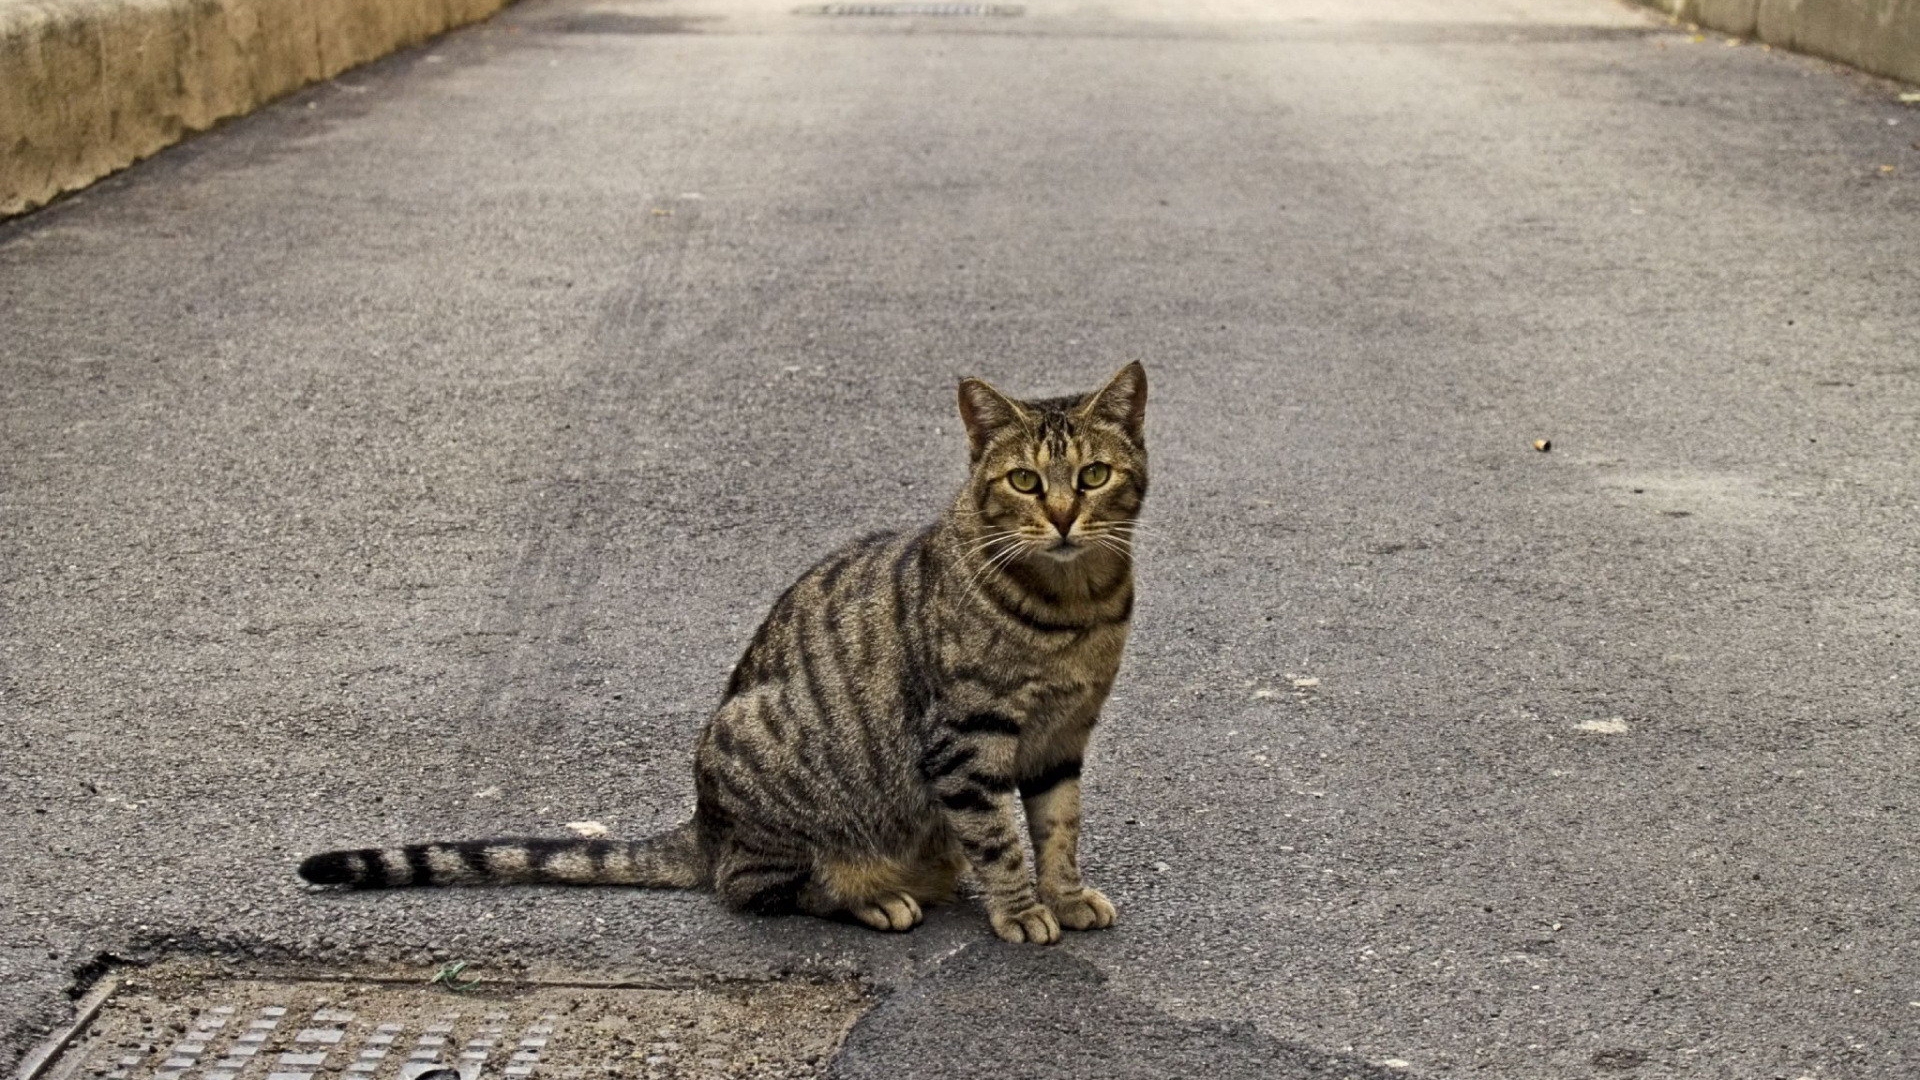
{"type": "Point", "coordinates": [1066, 682]}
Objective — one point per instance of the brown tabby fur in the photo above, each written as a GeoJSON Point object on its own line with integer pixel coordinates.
{"type": "Point", "coordinates": [897, 700]}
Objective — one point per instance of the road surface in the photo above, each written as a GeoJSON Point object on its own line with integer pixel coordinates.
{"type": "Point", "coordinates": [412, 459]}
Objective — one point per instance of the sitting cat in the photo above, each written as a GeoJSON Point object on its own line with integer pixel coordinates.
{"type": "Point", "coordinates": [872, 739]}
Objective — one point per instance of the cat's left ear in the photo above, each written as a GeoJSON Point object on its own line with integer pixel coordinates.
{"type": "Point", "coordinates": [1122, 401]}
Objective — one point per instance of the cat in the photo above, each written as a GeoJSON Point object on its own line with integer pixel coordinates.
{"type": "Point", "coordinates": [898, 698]}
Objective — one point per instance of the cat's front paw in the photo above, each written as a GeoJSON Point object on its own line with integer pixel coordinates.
{"type": "Point", "coordinates": [1033, 923]}
{"type": "Point", "coordinates": [1085, 908]}
{"type": "Point", "coordinates": [896, 913]}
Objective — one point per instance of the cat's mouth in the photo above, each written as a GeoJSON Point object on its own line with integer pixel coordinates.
{"type": "Point", "coordinates": [1063, 551]}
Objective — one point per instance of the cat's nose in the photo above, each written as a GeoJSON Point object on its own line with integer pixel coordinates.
{"type": "Point", "coordinates": [1062, 518]}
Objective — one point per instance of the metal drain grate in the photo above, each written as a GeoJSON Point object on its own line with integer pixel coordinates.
{"type": "Point", "coordinates": [912, 9]}
{"type": "Point", "coordinates": [175, 1025]}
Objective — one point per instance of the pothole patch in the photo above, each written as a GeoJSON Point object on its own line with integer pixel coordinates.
{"type": "Point", "coordinates": [168, 1023]}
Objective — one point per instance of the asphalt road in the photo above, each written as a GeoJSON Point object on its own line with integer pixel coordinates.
{"type": "Point", "coordinates": [411, 459]}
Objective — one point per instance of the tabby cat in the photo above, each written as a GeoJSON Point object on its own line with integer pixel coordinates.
{"type": "Point", "coordinates": [873, 738]}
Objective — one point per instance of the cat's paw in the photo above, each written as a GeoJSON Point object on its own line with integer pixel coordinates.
{"type": "Point", "coordinates": [1084, 908]}
{"type": "Point", "coordinates": [1033, 923]}
{"type": "Point", "coordinates": [896, 913]}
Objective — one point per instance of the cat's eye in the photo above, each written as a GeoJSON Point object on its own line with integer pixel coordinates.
{"type": "Point", "coordinates": [1024, 481]}
{"type": "Point", "coordinates": [1095, 475]}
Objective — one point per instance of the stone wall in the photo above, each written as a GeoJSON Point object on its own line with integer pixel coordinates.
{"type": "Point", "coordinates": [91, 86]}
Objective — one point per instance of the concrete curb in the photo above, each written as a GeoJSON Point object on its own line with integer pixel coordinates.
{"type": "Point", "coordinates": [91, 86]}
{"type": "Point", "coordinates": [1880, 36]}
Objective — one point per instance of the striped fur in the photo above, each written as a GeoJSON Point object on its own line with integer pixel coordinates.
{"type": "Point", "coordinates": [897, 704]}
{"type": "Point", "coordinates": [670, 860]}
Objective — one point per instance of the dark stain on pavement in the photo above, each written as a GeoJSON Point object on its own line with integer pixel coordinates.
{"type": "Point", "coordinates": [1033, 1013]}
{"type": "Point", "coordinates": [616, 22]}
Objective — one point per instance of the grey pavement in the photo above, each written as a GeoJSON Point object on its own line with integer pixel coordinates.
{"type": "Point", "coordinates": [411, 459]}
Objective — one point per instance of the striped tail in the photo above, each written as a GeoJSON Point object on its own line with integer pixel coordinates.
{"type": "Point", "coordinates": [673, 859]}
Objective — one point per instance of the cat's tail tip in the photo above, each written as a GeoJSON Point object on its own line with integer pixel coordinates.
{"type": "Point", "coordinates": [333, 868]}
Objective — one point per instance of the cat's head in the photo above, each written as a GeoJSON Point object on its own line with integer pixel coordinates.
{"type": "Point", "coordinates": [1057, 478]}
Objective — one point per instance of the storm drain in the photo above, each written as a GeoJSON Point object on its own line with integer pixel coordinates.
{"type": "Point", "coordinates": [911, 9]}
{"type": "Point", "coordinates": [159, 1025]}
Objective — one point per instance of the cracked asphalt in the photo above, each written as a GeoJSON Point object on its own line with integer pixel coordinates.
{"type": "Point", "coordinates": [412, 458]}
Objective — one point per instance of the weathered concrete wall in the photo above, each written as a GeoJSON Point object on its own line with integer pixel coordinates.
{"type": "Point", "coordinates": [90, 86]}
{"type": "Point", "coordinates": [1881, 36]}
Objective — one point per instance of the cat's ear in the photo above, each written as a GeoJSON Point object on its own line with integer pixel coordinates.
{"type": "Point", "coordinates": [1122, 401]}
{"type": "Point", "coordinates": [984, 411]}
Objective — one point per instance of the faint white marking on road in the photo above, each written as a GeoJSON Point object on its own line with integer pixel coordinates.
{"type": "Point", "coordinates": [1614, 726]}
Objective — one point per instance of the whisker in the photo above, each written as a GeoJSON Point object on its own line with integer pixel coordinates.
{"type": "Point", "coordinates": [992, 539]}
{"type": "Point", "coordinates": [983, 542]}
{"type": "Point", "coordinates": [1105, 534]}
{"type": "Point", "coordinates": [1001, 548]}
{"type": "Point", "coordinates": [1020, 545]}
{"type": "Point", "coordinates": [1024, 545]}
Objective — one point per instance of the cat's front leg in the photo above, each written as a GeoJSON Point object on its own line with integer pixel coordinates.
{"type": "Point", "coordinates": [969, 768]}
{"type": "Point", "coordinates": [1053, 820]}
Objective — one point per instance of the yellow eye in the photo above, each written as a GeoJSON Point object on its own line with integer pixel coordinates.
{"type": "Point", "coordinates": [1095, 475]}
{"type": "Point", "coordinates": [1024, 481]}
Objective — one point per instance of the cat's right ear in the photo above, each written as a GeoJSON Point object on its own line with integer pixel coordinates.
{"type": "Point", "coordinates": [984, 411]}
